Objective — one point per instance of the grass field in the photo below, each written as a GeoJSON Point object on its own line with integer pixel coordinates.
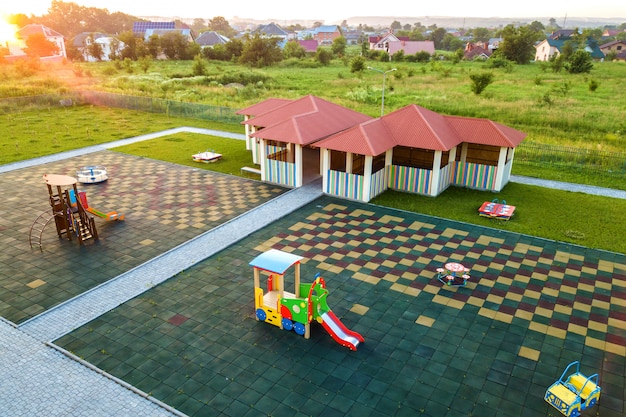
{"type": "Point", "coordinates": [556, 108]}
{"type": "Point", "coordinates": [576, 117]}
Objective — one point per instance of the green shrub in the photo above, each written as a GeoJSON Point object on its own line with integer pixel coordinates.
{"type": "Point", "coordinates": [480, 81]}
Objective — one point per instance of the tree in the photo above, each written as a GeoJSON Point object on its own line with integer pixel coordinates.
{"type": "Point", "coordinates": [437, 37]}
{"type": "Point", "coordinates": [153, 45]}
{"type": "Point", "coordinates": [94, 49]}
{"type": "Point", "coordinates": [451, 42]}
{"type": "Point", "coordinates": [198, 24]}
{"type": "Point", "coordinates": [220, 25]}
{"type": "Point", "coordinates": [357, 64]}
{"type": "Point", "coordinates": [131, 42]}
{"type": "Point", "coordinates": [37, 46]}
{"type": "Point", "coordinates": [518, 44]}
{"type": "Point", "coordinates": [396, 25]}
{"type": "Point", "coordinates": [480, 81]}
{"type": "Point", "coordinates": [537, 27]}
{"type": "Point", "coordinates": [293, 49]}
{"type": "Point", "coordinates": [323, 56]}
{"type": "Point", "coordinates": [481, 34]}
{"type": "Point", "coordinates": [175, 46]}
{"type": "Point", "coordinates": [580, 62]}
{"type": "Point", "coordinates": [260, 52]}
{"type": "Point", "coordinates": [234, 49]}
{"type": "Point", "coordinates": [339, 46]}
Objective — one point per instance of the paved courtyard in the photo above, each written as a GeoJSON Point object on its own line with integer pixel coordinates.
{"type": "Point", "coordinates": [192, 345]}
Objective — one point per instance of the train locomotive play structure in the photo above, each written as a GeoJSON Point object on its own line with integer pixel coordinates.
{"type": "Point", "coordinates": [573, 392]}
{"type": "Point", "coordinates": [295, 311]}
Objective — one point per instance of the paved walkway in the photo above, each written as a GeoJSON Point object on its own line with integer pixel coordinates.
{"type": "Point", "coordinates": [568, 186]}
{"type": "Point", "coordinates": [40, 380]}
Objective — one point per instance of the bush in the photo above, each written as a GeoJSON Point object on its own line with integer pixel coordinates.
{"type": "Point", "coordinates": [357, 64]}
{"type": "Point", "coordinates": [480, 81]}
{"type": "Point", "coordinates": [323, 56]}
{"type": "Point", "coordinates": [580, 62]}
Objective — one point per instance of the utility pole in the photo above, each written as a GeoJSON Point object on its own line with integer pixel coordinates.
{"type": "Point", "coordinates": [382, 106]}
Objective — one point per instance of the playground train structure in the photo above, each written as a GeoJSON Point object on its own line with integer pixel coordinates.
{"type": "Point", "coordinates": [295, 311]}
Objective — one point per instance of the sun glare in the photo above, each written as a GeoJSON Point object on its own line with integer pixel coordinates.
{"type": "Point", "coordinates": [7, 31]}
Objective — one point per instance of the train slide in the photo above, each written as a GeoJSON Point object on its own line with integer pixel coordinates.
{"type": "Point", "coordinates": [342, 335]}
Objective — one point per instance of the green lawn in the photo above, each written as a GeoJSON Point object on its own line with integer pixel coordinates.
{"type": "Point", "coordinates": [577, 218]}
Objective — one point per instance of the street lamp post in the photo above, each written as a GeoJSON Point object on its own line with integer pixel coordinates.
{"type": "Point", "coordinates": [382, 106]}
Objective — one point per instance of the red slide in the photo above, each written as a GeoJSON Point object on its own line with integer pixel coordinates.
{"type": "Point", "coordinates": [339, 332]}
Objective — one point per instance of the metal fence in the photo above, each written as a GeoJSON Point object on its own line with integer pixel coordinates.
{"type": "Point", "coordinates": [157, 105]}
{"type": "Point", "coordinates": [20, 104]}
{"type": "Point", "coordinates": [570, 158]}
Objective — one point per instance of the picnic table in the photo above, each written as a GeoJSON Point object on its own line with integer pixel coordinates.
{"type": "Point", "coordinates": [496, 210]}
{"type": "Point", "coordinates": [207, 157]}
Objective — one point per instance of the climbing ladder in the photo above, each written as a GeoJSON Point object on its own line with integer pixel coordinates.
{"type": "Point", "coordinates": [36, 229]}
{"type": "Point", "coordinates": [81, 223]}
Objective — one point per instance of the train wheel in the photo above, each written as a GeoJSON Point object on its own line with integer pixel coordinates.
{"type": "Point", "coordinates": [287, 324]}
{"type": "Point", "coordinates": [260, 314]}
{"type": "Point", "coordinates": [299, 328]}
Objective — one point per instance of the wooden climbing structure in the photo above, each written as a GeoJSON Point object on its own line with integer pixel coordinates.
{"type": "Point", "coordinates": [70, 220]}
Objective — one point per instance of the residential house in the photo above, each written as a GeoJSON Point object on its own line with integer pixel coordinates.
{"type": "Point", "coordinates": [493, 44]}
{"type": "Point", "coordinates": [412, 149]}
{"type": "Point", "coordinates": [353, 37]}
{"type": "Point", "coordinates": [309, 45]}
{"type": "Point", "coordinates": [563, 34]}
{"type": "Point", "coordinates": [410, 47]}
{"type": "Point", "coordinates": [391, 44]}
{"type": "Point", "coordinates": [618, 47]}
{"type": "Point", "coordinates": [16, 48]}
{"type": "Point", "coordinates": [554, 44]}
{"type": "Point", "coordinates": [272, 30]}
{"type": "Point", "coordinates": [109, 45]}
{"type": "Point", "coordinates": [611, 33]}
{"type": "Point", "coordinates": [209, 39]}
{"type": "Point", "coordinates": [381, 42]}
{"type": "Point", "coordinates": [139, 28]}
{"type": "Point", "coordinates": [476, 51]}
{"type": "Point", "coordinates": [325, 35]}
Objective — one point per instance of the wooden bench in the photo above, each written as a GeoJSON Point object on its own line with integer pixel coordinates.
{"type": "Point", "coordinates": [251, 170]}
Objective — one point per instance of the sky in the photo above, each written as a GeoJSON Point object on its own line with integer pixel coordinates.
{"type": "Point", "coordinates": [332, 11]}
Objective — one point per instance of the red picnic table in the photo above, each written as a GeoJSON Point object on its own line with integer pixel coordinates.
{"type": "Point", "coordinates": [496, 210]}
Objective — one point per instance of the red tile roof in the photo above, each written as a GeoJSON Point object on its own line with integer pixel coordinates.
{"type": "Point", "coordinates": [264, 106]}
{"type": "Point", "coordinates": [367, 138]}
{"type": "Point", "coordinates": [417, 127]}
{"type": "Point", "coordinates": [485, 132]}
{"type": "Point", "coordinates": [305, 121]}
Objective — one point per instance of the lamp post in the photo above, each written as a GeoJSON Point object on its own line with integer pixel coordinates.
{"type": "Point", "coordinates": [382, 106]}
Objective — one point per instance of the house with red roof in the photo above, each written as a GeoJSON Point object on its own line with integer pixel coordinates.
{"type": "Point", "coordinates": [412, 149]}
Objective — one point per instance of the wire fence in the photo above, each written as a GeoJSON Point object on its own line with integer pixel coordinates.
{"type": "Point", "coordinates": [569, 158]}
{"type": "Point", "coordinates": [528, 153]}
{"type": "Point", "coordinates": [157, 105]}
